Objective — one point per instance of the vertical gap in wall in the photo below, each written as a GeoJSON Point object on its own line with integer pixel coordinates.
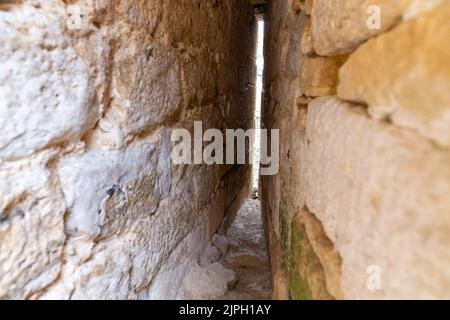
{"type": "Point", "coordinates": [258, 103]}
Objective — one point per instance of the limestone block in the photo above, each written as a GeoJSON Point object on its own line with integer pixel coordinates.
{"type": "Point", "coordinates": [141, 15]}
{"type": "Point", "coordinates": [381, 194]}
{"type": "Point", "coordinates": [91, 206]}
{"type": "Point", "coordinates": [46, 95]}
{"type": "Point", "coordinates": [307, 6]}
{"type": "Point", "coordinates": [341, 26]}
{"type": "Point", "coordinates": [147, 86]}
{"type": "Point", "coordinates": [179, 24]}
{"type": "Point", "coordinates": [307, 44]}
{"type": "Point", "coordinates": [210, 255]}
{"type": "Point", "coordinates": [88, 23]}
{"type": "Point", "coordinates": [305, 273]}
{"type": "Point", "coordinates": [404, 75]}
{"type": "Point", "coordinates": [304, 5]}
{"type": "Point", "coordinates": [133, 247]}
{"type": "Point", "coordinates": [99, 182]}
{"type": "Point", "coordinates": [246, 259]}
{"type": "Point", "coordinates": [280, 285]}
{"type": "Point", "coordinates": [325, 251]}
{"type": "Point", "coordinates": [247, 230]}
{"type": "Point", "coordinates": [416, 7]}
{"type": "Point", "coordinates": [137, 79]}
{"type": "Point", "coordinates": [222, 243]}
{"type": "Point", "coordinates": [319, 75]}
{"type": "Point", "coordinates": [207, 282]}
{"type": "Point", "coordinates": [199, 86]}
{"type": "Point", "coordinates": [31, 227]}
{"type": "Point", "coordinates": [216, 216]}
{"type": "Point", "coordinates": [293, 45]}
{"type": "Point", "coordinates": [166, 284]}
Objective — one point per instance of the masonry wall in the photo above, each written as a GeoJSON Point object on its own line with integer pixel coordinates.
{"type": "Point", "coordinates": [90, 91]}
{"type": "Point", "coordinates": [360, 208]}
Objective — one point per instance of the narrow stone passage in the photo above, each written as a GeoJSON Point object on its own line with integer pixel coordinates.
{"type": "Point", "coordinates": [132, 133]}
{"type": "Point", "coordinates": [236, 265]}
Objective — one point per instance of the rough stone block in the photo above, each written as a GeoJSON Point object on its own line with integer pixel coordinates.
{"type": "Point", "coordinates": [381, 194]}
{"type": "Point", "coordinates": [207, 282]}
{"type": "Point", "coordinates": [404, 75]}
{"type": "Point", "coordinates": [307, 44]}
{"type": "Point", "coordinates": [46, 94]}
{"type": "Point", "coordinates": [319, 75]}
{"type": "Point", "coordinates": [340, 26]}
{"type": "Point", "coordinates": [325, 251]}
{"type": "Point", "coordinates": [32, 234]}
{"type": "Point", "coordinates": [304, 5]}
{"type": "Point", "coordinates": [221, 243]}
{"type": "Point", "coordinates": [95, 183]}
{"type": "Point", "coordinates": [148, 86]}
{"type": "Point", "coordinates": [245, 259]}
{"type": "Point", "coordinates": [210, 255]}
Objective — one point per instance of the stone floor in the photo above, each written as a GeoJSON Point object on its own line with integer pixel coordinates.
{"type": "Point", "coordinates": [235, 266]}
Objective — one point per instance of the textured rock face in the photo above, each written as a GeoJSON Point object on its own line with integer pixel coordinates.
{"type": "Point", "coordinates": [208, 282]}
{"type": "Point", "coordinates": [31, 226]}
{"type": "Point", "coordinates": [90, 91]}
{"type": "Point", "coordinates": [419, 83]}
{"type": "Point", "coordinates": [397, 198]}
{"type": "Point", "coordinates": [319, 75]}
{"type": "Point", "coordinates": [359, 209]}
{"type": "Point", "coordinates": [341, 26]}
{"type": "Point", "coordinates": [55, 100]}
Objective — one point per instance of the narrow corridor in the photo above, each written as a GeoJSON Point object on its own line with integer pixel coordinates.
{"type": "Point", "coordinates": [127, 131]}
{"type": "Point", "coordinates": [236, 265]}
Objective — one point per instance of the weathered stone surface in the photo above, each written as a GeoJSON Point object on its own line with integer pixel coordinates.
{"type": "Point", "coordinates": [148, 87]}
{"type": "Point", "coordinates": [280, 284]}
{"type": "Point", "coordinates": [247, 259]}
{"type": "Point", "coordinates": [281, 92]}
{"type": "Point", "coordinates": [304, 5]}
{"type": "Point", "coordinates": [307, 44]}
{"type": "Point", "coordinates": [357, 195]}
{"type": "Point", "coordinates": [221, 243]}
{"type": "Point", "coordinates": [144, 90]}
{"type": "Point", "coordinates": [210, 255]}
{"type": "Point", "coordinates": [247, 230]}
{"type": "Point", "coordinates": [90, 91]}
{"type": "Point", "coordinates": [417, 7]}
{"type": "Point", "coordinates": [341, 26]}
{"type": "Point", "coordinates": [88, 213]}
{"type": "Point", "coordinates": [46, 95]}
{"type": "Point", "coordinates": [319, 75]}
{"type": "Point", "coordinates": [305, 273]}
{"type": "Point", "coordinates": [207, 282]}
{"type": "Point", "coordinates": [325, 251]}
{"type": "Point", "coordinates": [166, 283]}
{"type": "Point", "coordinates": [100, 182]}
{"type": "Point", "coordinates": [406, 75]}
{"type": "Point", "coordinates": [292, 49]}
{"type": "Point", "coordinates": [383, 189]}
{"type": "Point", "coordinates": [31, 227]}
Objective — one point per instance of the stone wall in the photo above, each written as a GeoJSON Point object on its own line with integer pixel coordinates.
{"type": "Point", "coordinates": [360, 208]}
{"type": "Point", "coordinates": [90, 91]}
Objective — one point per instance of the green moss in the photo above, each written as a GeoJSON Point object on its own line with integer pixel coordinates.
{"type": "Point", "coordinates": [298, 259]}
{"type": "Point", "coordinates": [292, 243]}
{"type": "Point", "coordinates": [298, 287]}
{"type": "Point", "coordinates": [306, 275]}
{"type": "Point", "coordinates": [284, 227]}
